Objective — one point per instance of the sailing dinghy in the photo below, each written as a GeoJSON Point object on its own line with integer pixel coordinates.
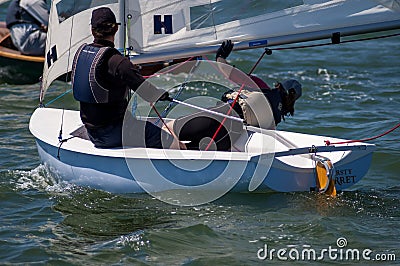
{"type": "Point", "coordinates": [261, 159]}
{"type": "Point", "coordinates": [16, 67]}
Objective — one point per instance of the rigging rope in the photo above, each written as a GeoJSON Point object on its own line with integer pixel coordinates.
{"type": "Point", "coordinates": [333, 43]}
{"type": "Point", "coordinates": [328, 143]}
{"type": "Point", "coordinates": [161, 119]}
{"type": "Point", "coordinates": [164, 123]}
{"type": "Point", "coordinates": [223, 121]}
{"type": "Point", "coordinates": [58, 97]}
{"type": "Point", "coordinates": [127, 30]}
{"type": "Point", "coordinates": [266, 51]}
{"type": "Point", "coordinates": [170, 70]}
{"type": "Point", "coordinates": [60, 138]}
{"type": "Point", "coordinates": [181, 88]}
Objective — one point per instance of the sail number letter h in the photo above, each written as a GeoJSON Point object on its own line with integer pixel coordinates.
{"type": "Point", "coordinates": [160, 24]}
{"type": "Point", "coordinates": [51, 56]}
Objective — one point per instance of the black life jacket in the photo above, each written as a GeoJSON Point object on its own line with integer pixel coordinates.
{"type": "Point", "coordinates": [85, 77]}
{"type": "Point", "coordinates": [275, 100]}
{"type": "Point", "coordinates": [18, 15]}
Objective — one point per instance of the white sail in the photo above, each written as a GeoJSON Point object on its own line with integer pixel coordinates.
{"type": "Point", "coordinates": [69, 27]}
{"type": "Point", "coordinates": [189, 26]}
{"type": "Point", "coordinates": [160, 30]}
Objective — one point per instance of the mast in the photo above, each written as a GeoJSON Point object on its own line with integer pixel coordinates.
{"type": "Point", "coordinates": [122, 32]}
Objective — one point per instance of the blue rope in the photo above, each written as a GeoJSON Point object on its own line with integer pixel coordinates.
{"type": "Point", "coordinates": [58, 97]}
{"type": "Point", "coordinates": [134, 104]}
{"type": "Point", "coordinates": [176, 96]}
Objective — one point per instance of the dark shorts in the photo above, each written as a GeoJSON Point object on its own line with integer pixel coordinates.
{"type": "Point", "coordinates": [134, 133]}
{"type": "Point", "coordinates": [200, 127]}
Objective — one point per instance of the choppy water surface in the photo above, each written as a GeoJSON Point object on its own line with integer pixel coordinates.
{"type": "Point", "coordinates": [350, 91]}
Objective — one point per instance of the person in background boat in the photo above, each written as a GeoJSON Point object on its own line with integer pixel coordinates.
{"type": "Point", "coordinates": [27, 21]}
{"type": "Point", "coordinates": [281, 99]}
{"type": "Point", "coordinates": [101, 80]}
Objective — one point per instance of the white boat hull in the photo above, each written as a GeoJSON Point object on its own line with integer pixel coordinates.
{"type": "Point", "coordinates": [119, 171]}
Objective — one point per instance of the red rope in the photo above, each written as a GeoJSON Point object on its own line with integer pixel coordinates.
{"type": "Point", "coordinates": [234, 102]}
{"type": "Point", "coordinates": [258, 61]}
{"type": "Point", "coordinates": [327, 142]}
{"type": "Point", "coordinates": [223, 121]}
{"type": "Point", "coordinates": [170, 70]}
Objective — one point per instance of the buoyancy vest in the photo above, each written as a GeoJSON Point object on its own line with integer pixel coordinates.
{"type": "Point", "coordinates": [253, 107]}
{"type": "Point", "coordinates": [18, 15]}
{"type": "Point", "coordinates": [85, 81]}
{"type": "Point", "coordinates": [274, 97]}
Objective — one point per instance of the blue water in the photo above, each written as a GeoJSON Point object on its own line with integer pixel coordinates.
{"type": "Point", "coordinates": [350, 91]}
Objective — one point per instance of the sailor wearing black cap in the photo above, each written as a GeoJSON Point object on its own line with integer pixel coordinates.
{"type": "Point", "coordinates": [101, 80]}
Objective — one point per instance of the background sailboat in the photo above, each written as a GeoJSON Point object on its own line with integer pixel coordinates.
{"type": "Point", "coordinates": [191, 28]}
{"type": "Point", "coordinates": [21, 69]}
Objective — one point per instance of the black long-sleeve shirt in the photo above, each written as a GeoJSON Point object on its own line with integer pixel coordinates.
{"type": "Point", "coordinates": [118, 74]}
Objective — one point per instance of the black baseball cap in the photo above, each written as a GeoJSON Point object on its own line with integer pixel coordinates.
{"type": "Point", "coordinates": [102, 16]}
